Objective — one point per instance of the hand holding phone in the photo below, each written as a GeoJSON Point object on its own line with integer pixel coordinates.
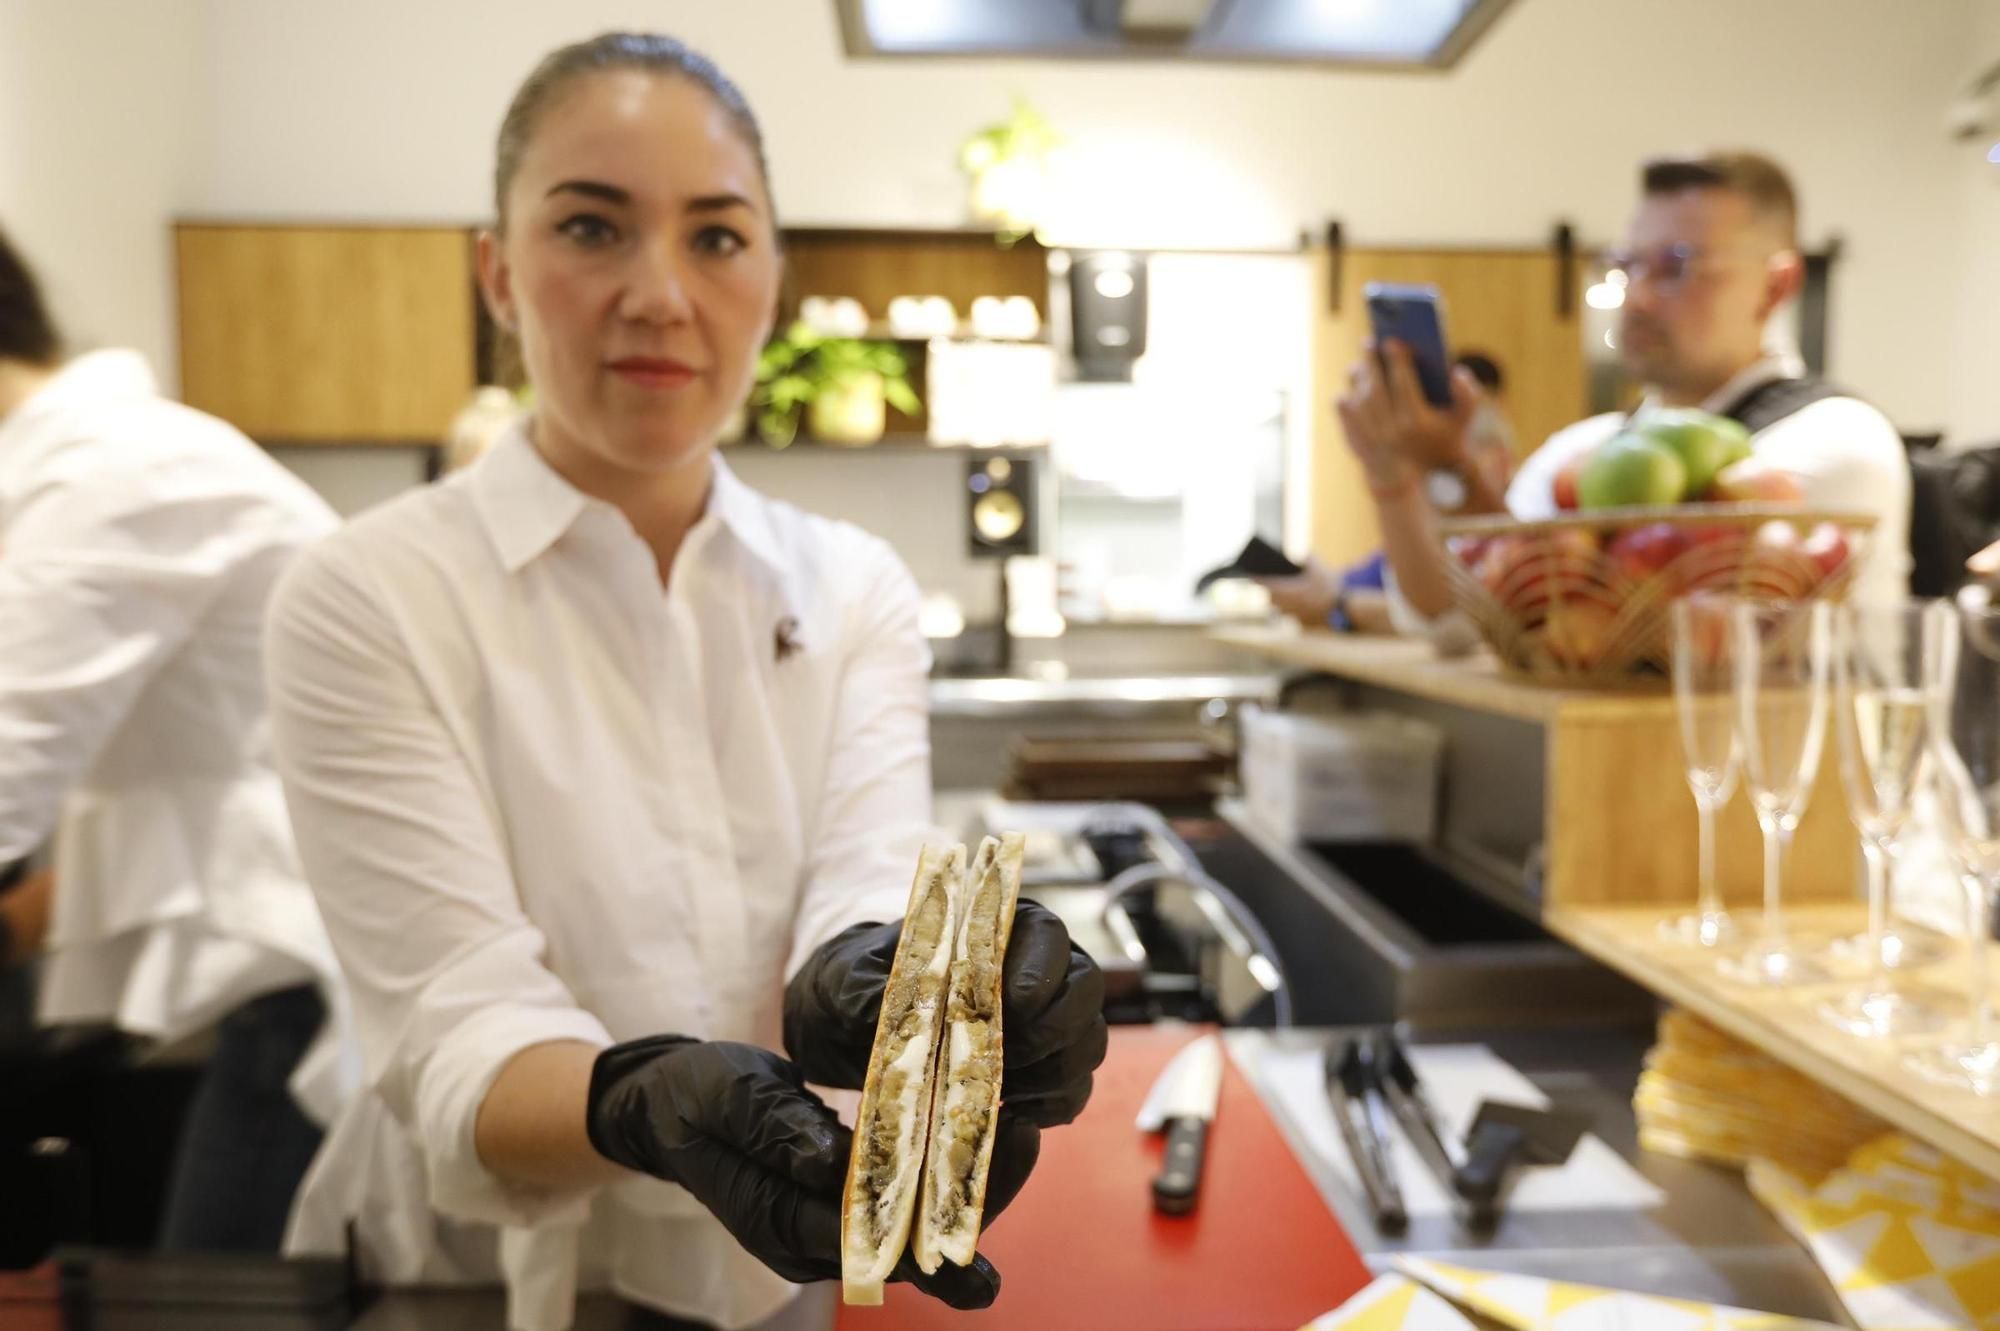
{"type": "Point", "coordinates": [1414, 316]}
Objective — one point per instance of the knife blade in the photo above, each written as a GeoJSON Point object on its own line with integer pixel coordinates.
{"type": "Point", "coordinates": [1183, 1102]}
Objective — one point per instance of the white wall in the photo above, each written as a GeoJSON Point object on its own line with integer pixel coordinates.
{"type": "Point", "coordinates": [385, 108]}
{"type": "Point", "coordinates": [96, 100]}
{"type": "Point", "coordinates": [1974, 416]}
{"type": "Point", "coordinates": [381, 107]}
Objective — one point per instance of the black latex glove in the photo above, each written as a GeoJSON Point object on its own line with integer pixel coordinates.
{"type": "Point", "coordinates": [735, 1126]}
{"type": "Point", "coordinates": [1052, 1013]}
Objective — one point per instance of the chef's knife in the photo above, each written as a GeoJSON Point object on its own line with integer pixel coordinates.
{"type": "Point", "coordinates": [1183, 1102]}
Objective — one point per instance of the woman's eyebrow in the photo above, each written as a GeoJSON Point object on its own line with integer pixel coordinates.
{"type": "Point", "coordinates": [595, 189]}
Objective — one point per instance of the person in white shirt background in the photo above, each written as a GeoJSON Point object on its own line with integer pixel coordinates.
{"type": "Point", "coordinates": [139, 544]}
{"type": "Point", "coordinates": [607, 771]}
{"type": "Point", "coordinates": [1711, 259]}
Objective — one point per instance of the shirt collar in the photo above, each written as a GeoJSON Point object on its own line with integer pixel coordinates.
{"type": "Point", "coordinates": [747, 516]}
{"type": "Point", "coordinates": [1770, 366]}
{"type": "Point", "coordinates": [95, 376]}
{"type": "Point", "coordinates": [527, 506]}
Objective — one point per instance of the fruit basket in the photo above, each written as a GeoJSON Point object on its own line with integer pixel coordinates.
{"type": "Point", "coordinates": [1583, 599]}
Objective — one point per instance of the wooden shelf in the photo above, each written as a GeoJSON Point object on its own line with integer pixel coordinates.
{"type": "Point", "coordinates": [1408, 665]}
{"type": "Point", "coordinates": [880, 331]}
{"type": "Point", "coordinates": [1786, 1023]}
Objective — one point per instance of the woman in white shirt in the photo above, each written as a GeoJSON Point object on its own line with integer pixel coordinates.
{"type": "Point", "coordinates": [603, 767]}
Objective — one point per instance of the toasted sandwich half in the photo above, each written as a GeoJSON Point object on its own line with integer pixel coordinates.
{"type": "Point", "coordinates": [966, 1112]}
{"type": "Point", "coordinates": [892, 1127]}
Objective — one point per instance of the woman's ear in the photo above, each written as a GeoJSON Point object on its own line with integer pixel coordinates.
{"type": "Point", "coordinates": [496, 280]}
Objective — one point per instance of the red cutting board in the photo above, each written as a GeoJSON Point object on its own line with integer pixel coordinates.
{"type": "Point", "coordinates": [1082, 1247]}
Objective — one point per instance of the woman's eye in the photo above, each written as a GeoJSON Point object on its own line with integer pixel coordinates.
{"type": "Point", "coordinates": [720, 240]}
{"type": "Point", "coordinates": [588, 230]}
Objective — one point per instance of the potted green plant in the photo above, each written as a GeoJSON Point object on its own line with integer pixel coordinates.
{"type": "Point", "coordinates": [841, 385]}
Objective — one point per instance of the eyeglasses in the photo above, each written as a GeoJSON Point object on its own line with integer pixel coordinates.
{"type": "Point", "coordinates": [1669, 266]}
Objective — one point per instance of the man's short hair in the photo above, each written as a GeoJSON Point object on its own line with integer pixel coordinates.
{"type": "Point", "coordinates": [1752, 177]}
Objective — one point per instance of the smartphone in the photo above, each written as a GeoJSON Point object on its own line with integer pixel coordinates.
{"type": "Point", "coordinates": [1414, 316]}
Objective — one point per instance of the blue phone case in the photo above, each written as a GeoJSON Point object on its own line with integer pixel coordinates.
{"type": "Point", "coordinates": [1414, 316]}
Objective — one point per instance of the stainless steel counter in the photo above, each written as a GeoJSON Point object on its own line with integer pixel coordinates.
{"type": "Point", "coordinates": [1710, 1240]}
{"type": "Point", "coordinates": [1018, 695]}
{"type": "Point", "coordinates": [975, 720]}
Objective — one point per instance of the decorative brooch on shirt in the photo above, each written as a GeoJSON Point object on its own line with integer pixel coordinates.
{"type": "Point", "coordinates": [785, 642]}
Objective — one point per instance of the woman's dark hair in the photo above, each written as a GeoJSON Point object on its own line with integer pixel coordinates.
{"type": "Point", "coordinates": [649, 52]}
{"type": "Point", "coordinates": [26, 331]}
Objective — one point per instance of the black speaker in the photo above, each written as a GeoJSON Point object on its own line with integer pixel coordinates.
{"type": "Point", "coordinates": [1107, 311]}
{"type": "Point", "coordinates": [1000, 518]}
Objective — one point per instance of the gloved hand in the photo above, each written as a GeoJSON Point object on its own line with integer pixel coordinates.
{"type": "Point", "coordinates": [735, 1126]}
{"type": "Point", "coordinates": [1052, 1013]}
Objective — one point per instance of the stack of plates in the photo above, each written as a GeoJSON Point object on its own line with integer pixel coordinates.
{"type": "Point", "coordinates": [1705, 1095]}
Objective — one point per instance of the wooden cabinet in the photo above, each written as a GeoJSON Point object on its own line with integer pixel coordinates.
{"type": "Point", "coordinates": [327, 334]}
{"type": "Point", "coordinates": [1501, 302]}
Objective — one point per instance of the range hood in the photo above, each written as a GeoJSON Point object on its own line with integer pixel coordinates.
{"type": "Point", "coordinates": [1406, 34]}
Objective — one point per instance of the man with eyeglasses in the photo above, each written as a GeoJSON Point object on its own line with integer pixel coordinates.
{"type": "Point", "coordinates": [1710, 258]}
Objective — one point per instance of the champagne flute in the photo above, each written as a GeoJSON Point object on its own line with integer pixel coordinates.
{"type": "Point", "coordinates": [1783, 650]}
{"type": "Point", "coordinates": [1963, 658]}
{"type": "Point", "coordinates": [1881, 718]}
{"type": "Point", "coordinates": [1704, 700]}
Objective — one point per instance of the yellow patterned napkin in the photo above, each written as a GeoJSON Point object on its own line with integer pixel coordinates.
{"type": "Point", "coordinates": [1909, 1238]}
{"type": "Point", "coordinates": [1393, 1303]}
{"type": "Point", "coordinates": [1426, 1296]}
{"type": "Point", "coordinates": [1705, 1095]}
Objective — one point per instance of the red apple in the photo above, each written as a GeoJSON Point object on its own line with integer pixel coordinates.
{"type": "Point", "coordinates": [1540, 565]}
{"type": "Point", "coordinates": [1644, 551]}
{"type": "Point", "coordinates": [1776, 567]}
{"type": "Point", "coordinates": [1716, 553]}
{"type": "Point", "coordinates": [1827, 547]}
{"type": "Point", "coordinates": [1494, 560]}
{"type": "Point", "coordinates": [1574, 541]}
{"type": "Point", "coordinates": [1565, 483]}
{"type": "Point", "coordinates": [1753, 481]}
{"type": "Point", "coordinates": [1777, 534]}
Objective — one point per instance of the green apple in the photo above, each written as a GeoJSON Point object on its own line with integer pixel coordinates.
{"type": "Point", "coordinates": [1705, 442]}
{"type": "Point", "coordinates": [1631, 470]}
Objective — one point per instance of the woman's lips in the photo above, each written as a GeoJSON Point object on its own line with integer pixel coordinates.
{"type": "Point", "coordinates": [655, 372]}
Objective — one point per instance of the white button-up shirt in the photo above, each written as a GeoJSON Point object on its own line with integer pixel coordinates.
{"type": "Point", "coordinates": [542, 798]}
{"type": "Point", "coordinates": [139, 544]}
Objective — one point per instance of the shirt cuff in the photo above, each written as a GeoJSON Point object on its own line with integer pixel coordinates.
{"type": "Point", "coordinates": [456, 1079]}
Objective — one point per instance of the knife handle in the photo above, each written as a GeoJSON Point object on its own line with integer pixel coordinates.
{"type": "Point", "coordinates": [1489, 1157]}
{"type": "Point", "coordinates": [1180, 1169]}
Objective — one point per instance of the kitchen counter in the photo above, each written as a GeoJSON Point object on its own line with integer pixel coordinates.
{"type": "Point", "coordinates": [1709, 1240]}
{"type": "Point", "coordinates": [1104, 696]}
